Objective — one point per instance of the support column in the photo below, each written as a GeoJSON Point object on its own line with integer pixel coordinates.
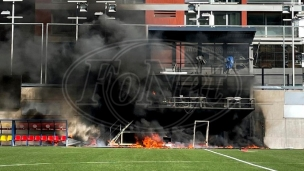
{"type": "Point", "coordinates": [243, 14]}
{"type": "Point", "coordinates": [13, 132]}
{"type": "Point", "coordinates": [174, 65]}
{"type": "Point", "coordinates": [250, 53]}
{"type": "Point", "coordinates": [199, 53]}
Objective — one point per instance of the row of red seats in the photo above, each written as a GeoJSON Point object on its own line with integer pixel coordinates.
{"type": "Point", "coordinates": [51, 138]}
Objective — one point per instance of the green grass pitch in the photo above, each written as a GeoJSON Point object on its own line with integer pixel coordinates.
{"type": "Point", "coordinates": [120, 159]}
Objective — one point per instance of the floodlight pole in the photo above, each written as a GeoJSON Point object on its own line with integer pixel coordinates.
{"type": "Point", "coordinates": [284, 74]}
{"type": "Point", "coordinates": [76, 38]}
{"type": "Point", "coordinates": [293, 56]}
{"type": "Point", "coordinates": [12, 36]}
{"type": "Point", "coordinates": [198, 14]}
{"type": "Point", "coordinates": [12, 42]}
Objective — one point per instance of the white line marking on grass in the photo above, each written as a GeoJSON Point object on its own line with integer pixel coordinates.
{"type": "Point", "coordinates": [28, 164]}
{"type": "Point", "coordinates": [266, 168]}
{"type": "Point", "coordinates": [102, 162]}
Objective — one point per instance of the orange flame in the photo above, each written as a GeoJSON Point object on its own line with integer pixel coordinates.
{"type": "Point", "coordinates": [153, 142]}
{"type": "Point", "coordinates": [229, 146]}
{"type": "Point", "coordinates": [252, 147]}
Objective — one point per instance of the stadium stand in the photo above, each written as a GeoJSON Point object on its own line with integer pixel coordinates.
{"type": "Point", "coordinates": [30, 132]}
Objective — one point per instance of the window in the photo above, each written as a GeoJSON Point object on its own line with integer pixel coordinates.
{"type": "Point", "coordinates": [255, 19]}
{"type": "Point", "coordinates": [59, 1]}
{"type": "Point", "coordinates": [227, 1]}
{"type": "Point", "coordinates": [219, 18]}
{"type": "Point", "coordinates": [234, 18]}
{"type": "Point", "coordinates": [270, 1]}
{"type": "Point", "coordinates": [265, 18]}
{"type": "Point", "coordinates": [272, 55]}
{"type": "Point", "coordinates": [190, 19]}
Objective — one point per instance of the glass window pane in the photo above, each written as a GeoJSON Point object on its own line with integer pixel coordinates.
{"type": "Point", "coordinates": [273, 19]}
{"type": "Point", "coordinates": [255, 19]}
{"type": "Point", "coordinates": [219, 18]}
{"type": "Point", "coordinates": [190, 19]}
{"type": "Point", "coordinates": [234, 18]}
{"type": "Point", "coordinates": [204, 20]}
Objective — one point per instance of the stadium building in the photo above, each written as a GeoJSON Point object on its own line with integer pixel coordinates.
{"type": "Point", "coordinates": [227, 62]}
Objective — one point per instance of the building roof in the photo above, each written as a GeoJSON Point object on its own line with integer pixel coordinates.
{"type": "Point", "coordinates": [203, 34]}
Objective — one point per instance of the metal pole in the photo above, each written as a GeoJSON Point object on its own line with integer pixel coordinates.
{"type": "Point", "coordinates": [284, 78]}
{"type": "Point", "coordinates": [198, 14]}
{"type": "Point", "coordinates": [46, 53]}
{"type": "Point", "coordinates": [293, 60]}
{"type": "Point", "coordinates": [12, 42]}
{"type": "Point", "coordinates": [41, 60]}
{"type": "Point", "coordinates": [106, 6]}
{"type": "Point", "coordinates": [77, 21]}
{"type": "Point", "coordinates": [76, 28]}
{"type": "Point", "coordinates": [263, 77]}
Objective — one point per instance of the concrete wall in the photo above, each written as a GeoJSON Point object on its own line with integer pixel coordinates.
{"type": "Point", "coordinates": [280, 132]}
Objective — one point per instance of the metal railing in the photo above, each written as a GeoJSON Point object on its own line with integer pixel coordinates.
{"type": "Point", "coordinates": [206, 103]}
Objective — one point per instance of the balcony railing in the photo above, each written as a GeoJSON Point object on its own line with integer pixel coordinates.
{"type": "Point", "coordinates": [276, 31]}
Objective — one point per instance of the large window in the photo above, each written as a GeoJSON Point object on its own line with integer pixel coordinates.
{"type": "Point", "coordinates": [264, 18]}
{"type": "Point", "coordinates": [272, 56]}
{"type": "Point", "coordinates": [270, 1]}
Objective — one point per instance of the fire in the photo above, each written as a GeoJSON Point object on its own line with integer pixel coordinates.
{"type": "Point", "coordinates": [137, 144]}
{"type": "Point", "coordinates": [252, 147]}
{"type": "Point", "coordinates": [153, 141]}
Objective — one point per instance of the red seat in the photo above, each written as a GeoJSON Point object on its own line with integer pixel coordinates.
{"type": "Point", "coordinates": [50, 138]}
{"type": "Point", "coordinates": [56, 138]}
{"type": "Point", "coordinates": [43, 137]}
{"type": "Point", "coordinates": [63, 138]}
{"type": "Point", "coordinates": [30, 138]}
{"type": "Point", "coordinates": [23, 138]}
{"type": "Point", "coordinates": [18, 138]}
{"type": "Point", "coordinates": [37, 138]}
